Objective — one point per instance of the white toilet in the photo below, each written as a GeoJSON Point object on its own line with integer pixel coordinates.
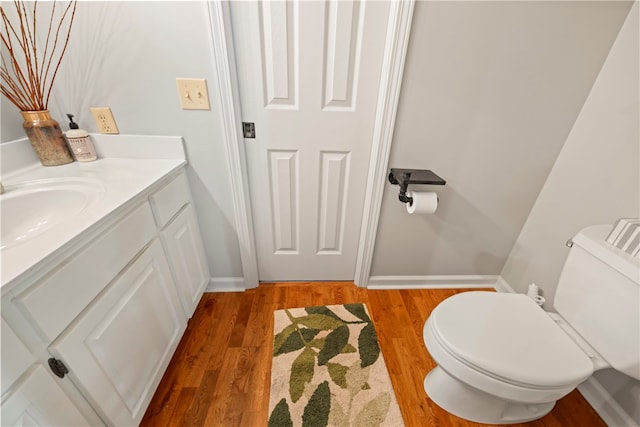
{"type": "Point", "coordinates": [501, 359]}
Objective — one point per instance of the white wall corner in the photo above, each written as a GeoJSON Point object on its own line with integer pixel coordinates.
{"type": "Point", "coordinates": [398, 31]}
{"type": "Point", "coordinates": [502, 286]}
{"type": "Point", "coordinates": [226, 284]}
{"type": "Point", "coordinates": [432, 282]}
{"type": "Point", "coordinates": [605, 405]}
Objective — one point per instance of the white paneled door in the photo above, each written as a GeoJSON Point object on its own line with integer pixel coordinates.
{"type": "Point", "coordinates": [309, 76]}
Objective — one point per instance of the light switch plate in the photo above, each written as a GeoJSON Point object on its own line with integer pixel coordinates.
{"type": "Point", "coordinates": [193, 94]}
{"type": "Point", "coordinates": [104, 119]}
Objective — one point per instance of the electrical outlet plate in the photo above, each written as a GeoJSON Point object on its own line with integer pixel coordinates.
{"type": "Point", "coordinates": [104, 119]}
{"type": "Point", "coordinates": [193, 94]}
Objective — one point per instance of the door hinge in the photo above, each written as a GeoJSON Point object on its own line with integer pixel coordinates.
{"type": "Point", "coordinates": [58, 367]}
{"type": "Point", "coordinates": [248, 129]}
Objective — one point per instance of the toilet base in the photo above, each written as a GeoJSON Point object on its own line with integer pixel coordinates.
{"type": "Point", "coordinates": [472, 404]}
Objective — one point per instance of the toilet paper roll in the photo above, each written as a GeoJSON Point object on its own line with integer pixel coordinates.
{"type": "Point", "coordinates": [424, 202]}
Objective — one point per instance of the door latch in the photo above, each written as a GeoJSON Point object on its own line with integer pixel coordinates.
{"type": "Point", "coordinates": [249, 129]}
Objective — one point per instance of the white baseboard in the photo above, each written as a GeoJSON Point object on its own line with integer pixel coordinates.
{"type": "Point", "coordinates": [226, 284]}
{"type": "Point", "coordinates": [604, 404]}
{"type": "Point", "coordinates": [432, 282]}
{"type": "Point", "coordinates": [236, 284]}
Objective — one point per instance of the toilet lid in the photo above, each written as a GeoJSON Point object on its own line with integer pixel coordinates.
{"type": "Point", "coordinates": [509, 337]}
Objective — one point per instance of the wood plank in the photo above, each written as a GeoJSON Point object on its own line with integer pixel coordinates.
{"type": "Point", "coordinates": [181, 407]}
{"type": "Point", "coordinates": [220, 373]}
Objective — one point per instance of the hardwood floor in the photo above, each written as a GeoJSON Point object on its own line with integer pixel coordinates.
{"type": "Point", "coordinates": [220, 373]}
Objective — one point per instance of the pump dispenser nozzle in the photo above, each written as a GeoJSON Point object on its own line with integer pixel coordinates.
{"type": "Point", "coordinates": [72, 124]}
{"type": "Point", "coordinates": [79, 142]}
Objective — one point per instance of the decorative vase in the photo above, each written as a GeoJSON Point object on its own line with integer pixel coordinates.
{"type": "Point", "coordinates": [46, 138]}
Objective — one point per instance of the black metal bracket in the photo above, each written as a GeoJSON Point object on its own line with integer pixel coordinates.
{"type": "Point", "coordinates": [404, 177]}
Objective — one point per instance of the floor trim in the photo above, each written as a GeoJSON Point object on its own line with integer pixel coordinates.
{"type": "Point", "coordinates": [602, 402]}
{"type": "Point", "coordinates": [226, 284]}
{"type": "Point", "coordinates": [432, 282]}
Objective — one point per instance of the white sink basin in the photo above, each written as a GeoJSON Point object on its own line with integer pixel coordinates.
{"type": "Point", "coordinates": [31, 208]}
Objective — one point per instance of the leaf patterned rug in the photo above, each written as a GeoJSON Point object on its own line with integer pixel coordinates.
{"type": "Point", "coordinates": [327, 370]}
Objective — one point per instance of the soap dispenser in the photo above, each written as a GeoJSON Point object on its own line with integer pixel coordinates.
{"type": "Point", "coordinates": [79, 141]}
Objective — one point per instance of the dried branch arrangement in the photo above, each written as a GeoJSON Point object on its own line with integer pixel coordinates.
{"type": "Point", "coordinates": [29, 69]}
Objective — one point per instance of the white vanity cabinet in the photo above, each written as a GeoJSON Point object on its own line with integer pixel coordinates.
{"type": "Point", "coordinates": [39, 401]}
{"type": "Point", "coordinates": [111, 307]}
{"type": "Point", "coordinates": [118, 350]}
{"type": "Point", "coordinates": [183, 245]}
{"type": "Point", "coordinates": [182, 242]}
{"type": "Point", "coordinates": [32, 396]}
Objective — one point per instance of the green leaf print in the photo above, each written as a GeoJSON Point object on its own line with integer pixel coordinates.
{"type": "Point", "coordinates": [322, 310]}
{"type": "Point", "coordinates": [281, 338]}
{"type": "Point", "coordinates": [368, 346]}
{"type": "Point", "coordinates": [316, 413]}
{"type": "Point", "coordinates": [295, 342]}
{"type": "Point", "coordinates": [348, 348]}
{"type": "Point", "coordinates": [337, 415]}
{"type": "Point", "coordinates": [280, 416]}
{"type": "Point", "coordinates": [374, 412]}
{"type": "Point", "coordinates": [333, 345]}
{"type": "Point", "coordinates": [358, 311]}
{"type": "Point", "coordinates": [319, 321]}
{"type": "Point", "coordinates": [301, 373]}
{"type": "Point", "coordinates": [338, 373]}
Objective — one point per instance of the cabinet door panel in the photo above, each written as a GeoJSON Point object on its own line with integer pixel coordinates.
{"type": "Point", "coordinates": [16, 358]}
{"type": "Point", "coordinates": [167, 201]}
{"type": "Point", "coordinates": [186, 256]}
{"type": "Point", "coordinates": [120, 347]}
{"type": "Point", "coordinates": [84, 276]}
{"type": "Point", "coordinates": [39, 401]}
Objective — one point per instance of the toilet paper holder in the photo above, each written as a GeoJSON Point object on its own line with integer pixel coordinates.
{"type": "Point", "coordinates": [404, 177]}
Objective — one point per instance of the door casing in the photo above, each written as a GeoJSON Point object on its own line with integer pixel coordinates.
{"type": "Point", "coordinates": [397, 41]}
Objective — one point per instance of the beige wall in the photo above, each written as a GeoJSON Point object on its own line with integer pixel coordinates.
{"type": "Point", "coordinates": [596, 177]}
{"type": "Point", "coordinates": [490, 93]}
{"type": "Point", "coordinates": [10, 120]}
{"type": "Point", "coordinates": [595, 180]}
{"type": "Point", "coordinates": [127, 55]}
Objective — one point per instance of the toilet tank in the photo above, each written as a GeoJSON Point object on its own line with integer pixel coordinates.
{"type": "Point", "coordinates": [599, 296]}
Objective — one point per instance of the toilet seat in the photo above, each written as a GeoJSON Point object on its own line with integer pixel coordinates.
{"type": "Point", "coordinates": [506, 345]}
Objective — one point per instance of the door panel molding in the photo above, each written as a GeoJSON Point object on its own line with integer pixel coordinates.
{"type": "Point", "coordinates": [334, 185]}
{"type": "Point", "coordinates": [343, 41]}
{"type": "Point", "coordinates": [279, 28]}
{"type": "Point", "coordinates": [285, 200]}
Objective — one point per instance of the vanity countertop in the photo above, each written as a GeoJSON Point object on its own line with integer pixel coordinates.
{"type": "Point", "coordinates": [116, 180]}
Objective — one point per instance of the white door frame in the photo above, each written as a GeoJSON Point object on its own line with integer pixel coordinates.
{"type": "Point", "coordinates": [397, 41]}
